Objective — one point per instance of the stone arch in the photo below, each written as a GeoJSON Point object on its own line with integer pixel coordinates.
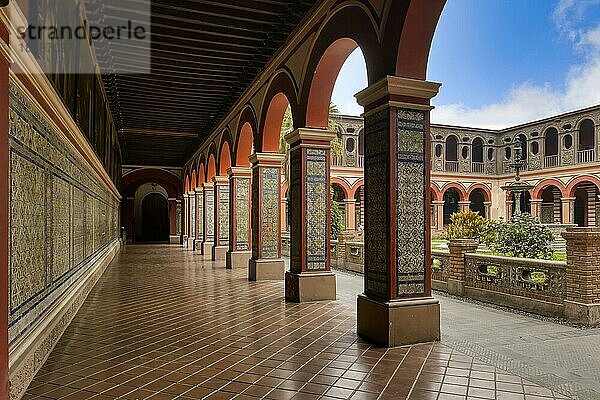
{"type": "Point", "coordinates": [356, 186]}
{"type": "Point", "coordinates": [344, 185]}
{"type": "Point", "coordinates": [201, 174]}
{"type": "Point", "coordinates": [211, 164]}
{"type": "Point", "coordinates": [282, 93]}
{"type": "Point", "coordinates": [586, 134]}
{"type": "Point", "coordinates": [194, 180]}
{"type": "Point", "coordinates": [244, 139]}
{"type": "Point", "coordinates": [459, 187]}
{"type": "Point", "coordinates": [537, 191]}
{"type": "Point", "coordinates": [486, 191]}
{"type": "Point", "coordinates": [437, 193]}
{"type": "Point", "coordinates": [224, 154]}
{"type": "Point", "coordinates": [572, 186]}
{"type": "Point", "coordinates": [186, 188]}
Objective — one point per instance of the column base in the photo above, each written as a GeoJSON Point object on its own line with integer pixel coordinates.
{"type": "Point", "coordinates": [309, 286]}
{"type": "Point", "coordinates": [197, 245]}
{"type": "Point", "coordinates": [237, 259]}
{"type": "Point", "coordinates": [455, 287]}
{"type": "Point", "coordinates": [206, 248]}
{"type": "Point", "coordinates": [174, 239]}
{"type": "Point", "coordinates": [184, 243]}
{"type": "Point", "coordinates": [399, 323]}
{"type": "Point", "coordinates": [266, 269]}
{"type": "Point", "coordinates": [587, 314]}
{"type": "Point", "coordinates": [219, 253]}
{"type": "Point", "coordinates": [190, 243]}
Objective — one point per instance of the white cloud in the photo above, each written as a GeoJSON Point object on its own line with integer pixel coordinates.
{"type": "Point", "coordinates": [527, 102]}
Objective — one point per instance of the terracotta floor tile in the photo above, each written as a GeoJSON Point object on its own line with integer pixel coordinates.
{"type": "Point", "coordinates": [162, 323]}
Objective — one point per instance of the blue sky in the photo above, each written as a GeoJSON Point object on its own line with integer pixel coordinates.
{"type": "Point", "coordinates": [504, 62]}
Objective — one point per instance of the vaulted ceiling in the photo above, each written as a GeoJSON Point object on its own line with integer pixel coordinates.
{"type": "Point", "coordinates": [204, 54]}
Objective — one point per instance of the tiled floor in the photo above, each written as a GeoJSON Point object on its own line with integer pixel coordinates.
{"type": "Point", "coordinates": [162, 324]}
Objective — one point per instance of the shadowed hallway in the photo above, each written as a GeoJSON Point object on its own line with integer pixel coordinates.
{"type": "Point", "coordinates": [163, 324]}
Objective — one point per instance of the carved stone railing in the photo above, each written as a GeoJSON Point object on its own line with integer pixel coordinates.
{"type": "Point", "coordinates": [440, 268]}
{"type": "Point", "coordinates": [519, 278]}
{"type": "Point", "coordinates": [478, 167]}
{"type": "Point", "coordinates": [551, 161]}
{"type": "Point", "coordinates": [451, 166]}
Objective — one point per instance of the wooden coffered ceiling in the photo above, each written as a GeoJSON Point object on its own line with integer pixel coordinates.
{"type": "Point", "coordinates": [204, 54]}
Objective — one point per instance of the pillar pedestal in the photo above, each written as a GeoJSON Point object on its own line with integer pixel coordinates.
{"type": "Point", "coordinates": [396, 307]}
{"type": "Point", "coordinates": [239, 253]}
{"type": "Point", "coordinates": [209, 219]}
{"type": "Point", "coordinates": [221, 240]}
{"type": "Point", "coordinates": [266, 262]}
{"type": "Point", "coordinates": [398, 323]}
{"type": "Point", "coordinates": [310, 277]}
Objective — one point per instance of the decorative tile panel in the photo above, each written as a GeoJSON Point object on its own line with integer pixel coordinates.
{"type": "Point", "coordinates": [178, 219]}
{"type": "Point", "coordinates": [410, 203]}
{"type": "Point", "coordinates": [317, 192]}
{"type": "Point", "coordinates": [200, 216]}
{"type": "Point", "coordinates": [209, 214]}
{"type": "Point", "coordinates": [270, 213]}
{"type": "Point", "coordinates": [377, 130]}
{"type": "Point", "coordinates": [223, 215]}
{"type": "Point", "coordinates": [192, 216]}
{"type": "Point", "coordinates": [61, 215]}
{"type": "Point", "coordinates": [242, 189]}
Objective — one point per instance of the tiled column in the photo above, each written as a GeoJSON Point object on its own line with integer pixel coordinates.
{"type": "Point", "coordinates": [266, 262]}
{"type": "Point", "coordinates": [186, 219]}
{"type": "Point", "coordinates": [199, 221]}
{"type": "Point", "coordinates": [568, 209]}
{"type": "Point", "coordinates": [350, 206]}
{"type": "Point", "coordinates": [179, 219]}
{"type": "Point", "coordinates": [310, 277]}
{"type": "Point", "coordinates": [582, 303]}
{"type": "Point", "coordinates": [536, 208]}
{"type": "Point", "coordinates": [397, 307]}
{"type": "Point", "coordinates": [464, 205]}
{"type": "Point", "coordinates": [439, 214]}
{"type": "Point", "coordinates": [219, 250]}
{"type": "Point", "coordinates": [239, 217]}
{"type": "Point", "coordinates": [192, 220]}
{"type": "Point", "coordinates": [209, 219]}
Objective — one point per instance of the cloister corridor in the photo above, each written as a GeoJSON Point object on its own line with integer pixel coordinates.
{"type": "Point", "coordinates": [162, 324]}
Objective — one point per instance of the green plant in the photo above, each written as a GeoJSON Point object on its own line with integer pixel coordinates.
{"type": "Point", "coordinates": [467, 225]}
{"type": "Point", "coordinates": [522, 236]}
{"type": "Point", "coordinates": [336, 218]}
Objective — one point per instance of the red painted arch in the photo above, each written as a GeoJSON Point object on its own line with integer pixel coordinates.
{"type": "Point", "coordinates": [437, 192]}
{"type": "Point", "coordinates": [344, 185]}
{"type": "Point", "coordinates": [572, 186]}
{"type": "Point", "coordinates": [356, 186]}
{"type": "Point", "coordinates": [187, 184]}
{"type": "Point", "coordinates": [224, 158]}
{"type": "Point", "coordinates": [461, 190]}
{"type": "Point", "coordinates": [211, 169]}
{"type": "Point", "coordinates": [486, 191]}
{"type": "Point", "coordinates": [539, 188]}
{"type": "Point", "coordinates": [418, 27]}
{"type": "Point", "coordinates": [135, 179]}
{"type": "Point", "coordinates": [281, 93]}
{"type": "Point", "coordinates": [244, 139]}
{"type": "Point", "coordinates": [201, 174]}
{"type": "Point", "coordinates": [194, 180]}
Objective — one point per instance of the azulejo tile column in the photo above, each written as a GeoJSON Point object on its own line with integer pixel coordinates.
{"type": "Point", "coordinates": [219, 250]}
{"type": "Point", "coordinates": [266, 262]}
{"type": "Point", "coordinates": [397, 307]}
{"type": "Point", "coordinates": [192, 220]}
{"type": "Point", "coordinates": [310, 277]}
{"type": "Point", "coordinates": [186, 219]}
{"type": "Point", "coordinates": [199, 222]}
{"type": "Point", "coordinates": [209, 219]}
{"type": "Point", "coordinates": [239, 217]}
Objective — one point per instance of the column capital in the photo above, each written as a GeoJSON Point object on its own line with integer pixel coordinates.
{"type": "Point", "coordinates": [185, 196]}
{"type": "Point", "coordinates": [199, 189]}
{"type": "Point", "coordinates": [350, 200]}
{"type": "Point", "coordinates": [192, 192]}
{"type": "Point", "coordinates": [208, 185]}
{"type": "Point", "coordinates": [244, 172]}
{"type": "Point", "coordinates": [270, 159]}
{"type": "Point", "coordinates": [314, 137]}
{"type": "Point", "coordinates": [399, 92]}
{"type": "Point", "coordinates": [538, 201]}
{"type": "Point", "coordinates": [220, 180]}
{"type": "Point", "coordinates": [567, 198]}
{"type": "Point", "coordinates": [438, 202]}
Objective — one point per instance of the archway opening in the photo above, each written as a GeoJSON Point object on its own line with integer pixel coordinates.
{"type": "Point", "coordinates": [224, 159]}
{"type": "Point", "coordinates": [550, 212]}
{"type": "Point", "coordinates": [525, 203]}
{"type": "Point", "coordinates": [339, 196]}
{"type": "Point", "coordinates": [279, 114]}
{"type": "Point", "coordinates": [451, 206]}
{"type": "Point", "coordinates": [477, 199]}
{"type": "Point", "coordinates": [477, 150]}
{"type": "Point", "coordinates": [155, 219]}
{"type": "Point", "coordinates": [244, 146]}
{"type": "Point", "coordinates": [585, 209]}
{"type": "Point", "coordinates": [551, 148]}
{"type": "Point", "coordinates": [523, 139]}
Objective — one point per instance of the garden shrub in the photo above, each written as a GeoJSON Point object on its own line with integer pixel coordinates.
{"type": "Point", "coordinates": [522, 236]}
{"type": "Point", "coordinates": [467, 225]}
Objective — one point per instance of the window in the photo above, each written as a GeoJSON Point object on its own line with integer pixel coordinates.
{"type": "Point", "coordinates": [535, 148]}
{"type": "Point", "coordinates": [507, 152]}
{"type": "Point", "coordinates": [350, 144]}
{"type": "Point", "coordinates": [438, 150]}
{"type": "Point", "coordinates": [490, 154]}
{"type": "Point", "coordinates": [551, 142]}
{"type": "Point", "coordinates": [465, 152]}
{"type": "Point", "coordinates": [451, 148]}
{"type": "Point", "coordinates": [477, 150]}
{"type": "Point", "coordinates": [568, 141]}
